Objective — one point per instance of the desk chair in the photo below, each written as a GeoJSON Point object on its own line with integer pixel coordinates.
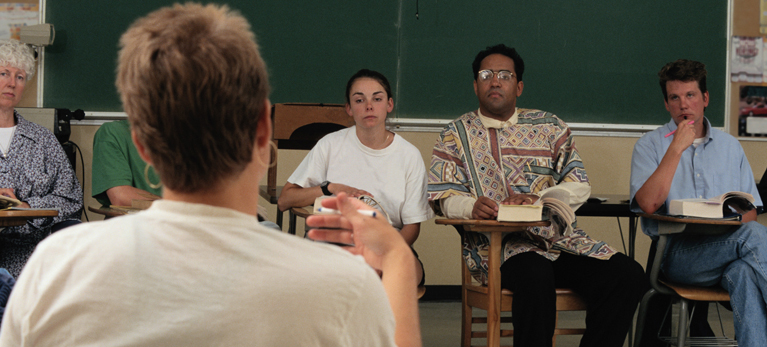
{"type": "Point", "coordinates": [300, 126]}
{"type": "Point", "coordinates": [681, 293]}
{"type": "Point", "coordinates": [491, 297]}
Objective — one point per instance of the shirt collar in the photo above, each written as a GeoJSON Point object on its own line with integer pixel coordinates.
{"type": "Point", "coordinates": [23, 127]}
{"type": "Point", "coordinates": [494, 123]}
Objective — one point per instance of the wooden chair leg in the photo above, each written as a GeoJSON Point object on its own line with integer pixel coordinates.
{"type": "Point", "coordinates": [466, 316]}
{"type": "Point", "coordinates": [556, 324]}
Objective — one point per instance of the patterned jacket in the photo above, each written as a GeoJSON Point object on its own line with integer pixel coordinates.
{"type": "Point", "coordinates": [536, 153]}
{"type": "Point", "coordinates": [40, 174]}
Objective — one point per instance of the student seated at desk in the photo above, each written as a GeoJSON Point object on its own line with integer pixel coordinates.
{"type": "Point", "coordinates": [366, 159]}
{"type": "Point", "coordinates": [33, 166]}
{"type": "Point", "coordinates": [698, 161]}
{"type": "Point", "coordinates": [478, 164]}
{"type": "Point", "coordinates": [194, 269]}
{"type": "Point", "coordinates": [119, 175]}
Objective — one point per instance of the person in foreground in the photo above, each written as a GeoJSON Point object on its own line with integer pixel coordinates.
{"type": "Point", "coordinates": [195, 269]}
{"type": "Point", "coordinates": [35, 169]}
{"type": "Point", "coordinates": [500, 154]}
{"type": "Point", "coordinates": [366, 160]}
{"type": "Point", "coordinates": [698, 161]}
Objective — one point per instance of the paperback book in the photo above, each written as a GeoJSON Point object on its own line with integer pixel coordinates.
{"type": "Point", "coordinates": [712, 207]}
{"type": "Point", "coordinates": [553, 205]}
{"type": "Point", "coordinates": [7, 203]}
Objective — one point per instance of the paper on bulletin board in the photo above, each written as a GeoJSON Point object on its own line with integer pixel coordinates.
{"type": "Point", "coordinates": [752, 111]}
{"type": "Point", "coordinates": [747, 59]}
{"type": "Point", "coordinates": [13, 16]}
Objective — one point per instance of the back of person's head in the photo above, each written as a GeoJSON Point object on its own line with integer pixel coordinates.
{"type": "Point", "coordinates": [683, 70]}
{"type": "Point", "coordinates": [18, 55]}
{"type": "Point", "coordinates": [519, 64]}
{"type": "Point", "coordinates": [375, 75]}
{"type": "Point", "coordinates": [193, 84]}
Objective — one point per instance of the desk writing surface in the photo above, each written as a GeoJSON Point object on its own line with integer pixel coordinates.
{"type": "Point", "coordinates": [616, 205]}
{"type": "Point", "coordinates": [690, 220]}
{"type": "Point", "coordinates": [20, 217]}
{"type": "Point", "coordinates": [586, 61]}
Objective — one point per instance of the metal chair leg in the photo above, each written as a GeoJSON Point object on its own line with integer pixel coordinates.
{"type": "Point", "coordinates": [683, 318]}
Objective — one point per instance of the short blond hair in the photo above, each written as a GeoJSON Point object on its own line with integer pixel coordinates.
{"type": "Point", "coordinates": [193, 84]}
{"type": "Point", "coordinates": [18, 55]}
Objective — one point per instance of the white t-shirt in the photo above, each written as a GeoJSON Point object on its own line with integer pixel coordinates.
{"type": "Point", "coordinates": [183, 274]}
{"type": "Point", "coordinates": [395, 175]}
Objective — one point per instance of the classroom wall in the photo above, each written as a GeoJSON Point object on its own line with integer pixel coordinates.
{"type": "Point", "coordinates": [607, 161]}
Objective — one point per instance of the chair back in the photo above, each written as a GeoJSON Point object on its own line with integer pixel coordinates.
{"type": "Point", "coordinates": [300, 126]}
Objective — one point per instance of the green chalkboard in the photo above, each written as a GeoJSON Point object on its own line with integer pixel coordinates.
{"type": "Point", "coordinates": [587, 61]}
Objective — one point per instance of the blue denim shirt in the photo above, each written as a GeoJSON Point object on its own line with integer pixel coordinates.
{"type": "Point", "coordinates": [715, 167]}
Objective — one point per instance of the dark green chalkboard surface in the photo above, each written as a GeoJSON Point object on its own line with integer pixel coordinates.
{"type": "Point", "coordinates": [587, 61]}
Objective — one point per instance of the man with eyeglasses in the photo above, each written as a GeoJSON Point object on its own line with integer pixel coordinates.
{"type": "Point", "coordinates": [501, 154]}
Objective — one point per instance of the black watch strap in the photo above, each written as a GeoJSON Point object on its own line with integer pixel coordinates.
{"type": "Point", "coordinates": [324, 186]}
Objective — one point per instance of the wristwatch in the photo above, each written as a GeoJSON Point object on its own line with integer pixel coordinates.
{"type": "Point", "coordinates": [324, 186]}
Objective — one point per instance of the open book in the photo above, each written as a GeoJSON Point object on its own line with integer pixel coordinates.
{"type": "Point", "coordinates": [555, 203]}
{"type": "Point", "coordinates": [6, 202]}
{"type": "Point", "coordinates": [712, 207]}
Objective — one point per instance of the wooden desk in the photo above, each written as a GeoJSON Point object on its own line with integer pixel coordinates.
{"type": "Point", "coordinates": [296, 212]}
{"type": "Point", "coordinates": [110, 212]}
{"type": "Point", "coordinates": [615, 206]}
{"type": "Point", "coordinates": [496, 229]}
{"type": "Point", "coordinates": [10, 218]}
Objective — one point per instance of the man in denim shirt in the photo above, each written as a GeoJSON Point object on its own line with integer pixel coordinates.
{"type": "Point", "coordinates": [698, 161]}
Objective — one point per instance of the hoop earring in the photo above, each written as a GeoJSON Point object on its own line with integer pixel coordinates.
{"type": "Point", "coordinates": [273, 160]}
{"type": "Point", "coordinates": [146, 178]}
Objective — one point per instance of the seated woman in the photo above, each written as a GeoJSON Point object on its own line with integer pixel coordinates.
{"type": "Point", "coordinates": [195, 269]}
{"type": "Point", "coordinates": [366, 160]}
{"type": "Point", "coordinates": [34, 168]}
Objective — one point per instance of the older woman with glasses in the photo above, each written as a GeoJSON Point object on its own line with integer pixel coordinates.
{"type": "Point", "coordinates": [34, 168]}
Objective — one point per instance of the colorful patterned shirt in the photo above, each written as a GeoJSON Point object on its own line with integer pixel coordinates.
{"type": "Point", "coordinates": [525, 157]}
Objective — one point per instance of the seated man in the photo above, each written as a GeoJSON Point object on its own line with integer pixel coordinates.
{"type": "Point", "coordinates": [503, 155]}
{"type": "Point", "coordinates": [698, 161]}
{"type": "Point", "coordinates": [119, 174]}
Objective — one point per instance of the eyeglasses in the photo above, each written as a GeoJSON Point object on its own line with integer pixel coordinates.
{"type": "Point", "coordinates": [487, 75]}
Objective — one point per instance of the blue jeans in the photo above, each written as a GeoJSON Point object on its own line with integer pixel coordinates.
{"type": "Point", "coordinates": [738, 262]}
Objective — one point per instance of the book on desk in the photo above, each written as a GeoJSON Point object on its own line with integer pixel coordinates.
{"type": "Point", "coordinates": [556, 201]}
{"type": "Point", "coordinates": [8, 202]}
{"type": "Point", "coordinates": [711, 207]}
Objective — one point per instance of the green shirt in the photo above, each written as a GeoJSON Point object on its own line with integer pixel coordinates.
{"type": "Point", "coordinates": [116, 162]}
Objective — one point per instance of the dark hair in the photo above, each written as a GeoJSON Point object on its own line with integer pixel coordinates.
{"type": "Point", "coordinates": [365, 73]}
{"type": "Point", "coordinates": [519, 65]}
{"type": "Point", "coordinates": [685, 71]}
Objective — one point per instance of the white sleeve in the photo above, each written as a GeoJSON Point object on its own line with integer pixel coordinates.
{"type": "Point", "coordinates": [457, 206]}
{"type": "Point", "coordinates": [416, 207]}
{"type": "Point", "coordinates": [313, 170]}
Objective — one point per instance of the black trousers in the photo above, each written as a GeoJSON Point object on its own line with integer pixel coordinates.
{"type": "Point", "coordinates": [611, 288]}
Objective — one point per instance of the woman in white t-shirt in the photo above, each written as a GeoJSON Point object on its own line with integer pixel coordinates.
{"type": "Point", "coordinates": [366, 160]}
